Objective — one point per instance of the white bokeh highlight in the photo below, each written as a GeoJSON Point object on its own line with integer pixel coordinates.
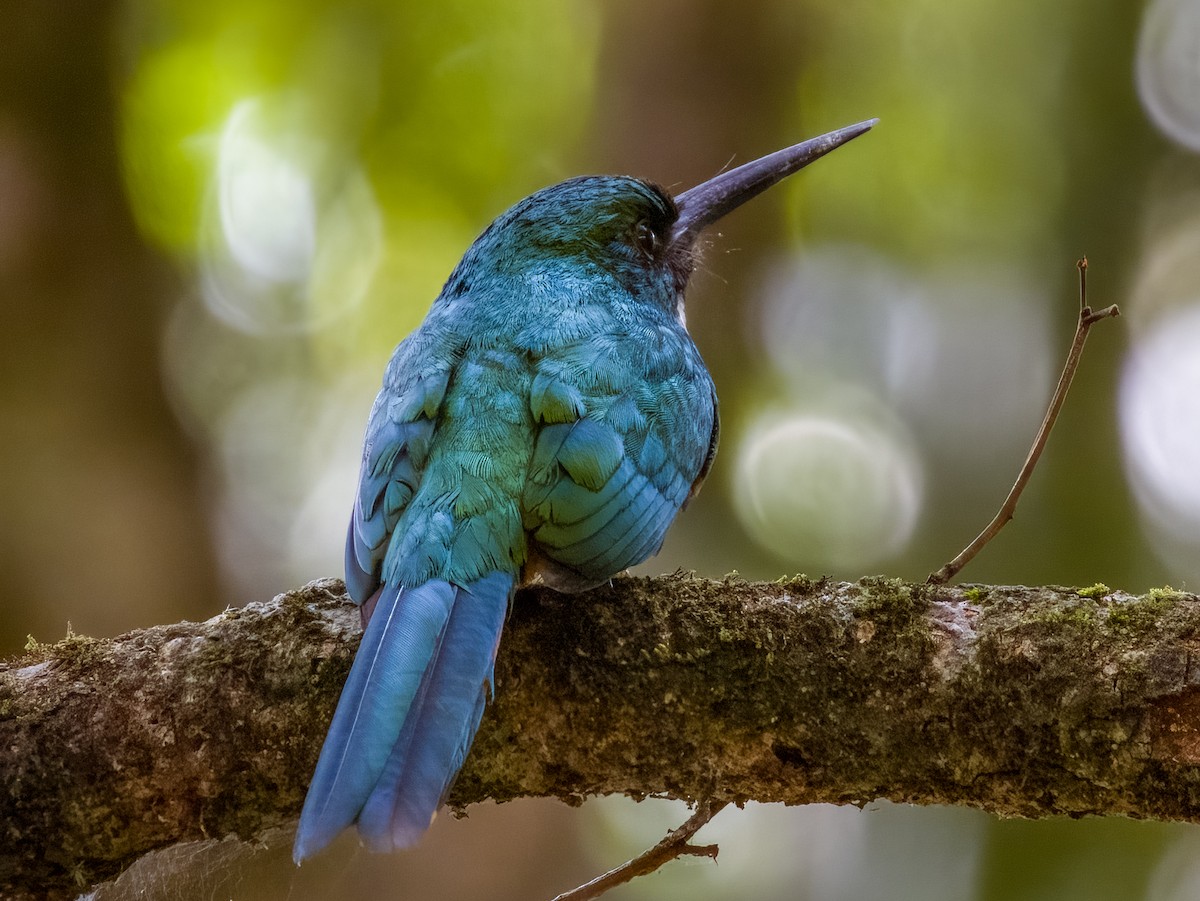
{"type": "Point", "coordinates": [1168, 69]}
{"type": "Point", "coordinates": [1176, 877]}
{"type": "Point", "coordinates": [839, 485]}
{"type": "Point", "coordinates": [291, 234]}
{"type": "Point", "coordinates": [961, 353]}
{"type": "Point", "coordinates": [1160, 424]}
{"type": "Point", "coordinates": [265, 202]}
{"type": "Point", "coordinates": [1159, 393]}
{"type": "Point", "coordinates": [898, 384]}
{"type": "Point", "coordinates": [286, 524]}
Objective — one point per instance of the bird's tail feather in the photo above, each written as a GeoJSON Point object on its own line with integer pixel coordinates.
{"type": "Point", "coordinates": [442, 721]}
{"type": "Point", "coordinates": [407, 714]}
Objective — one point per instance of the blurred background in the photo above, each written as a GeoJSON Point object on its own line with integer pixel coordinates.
{"type": "Point", "coordinates": [217, 220]}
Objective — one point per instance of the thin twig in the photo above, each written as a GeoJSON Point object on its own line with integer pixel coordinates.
{"type": "Point", "coordinates": [674, 845]}
{"type": "Point", "coordinates": [1087, 318]}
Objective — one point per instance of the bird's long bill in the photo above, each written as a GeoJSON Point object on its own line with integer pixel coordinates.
{"type": "Point", "coordinates": [704, 204]}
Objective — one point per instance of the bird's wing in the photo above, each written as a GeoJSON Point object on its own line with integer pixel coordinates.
{"type": "Point", "coordinates": [399, 433]}
{"type": "Point", "coordinates": [626, 430]}
{"type": "Point", "coordinates": [713, 440]}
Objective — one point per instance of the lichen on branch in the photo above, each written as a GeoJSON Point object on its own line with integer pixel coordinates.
{"type": "Point", "coordinates": [1021, 701]}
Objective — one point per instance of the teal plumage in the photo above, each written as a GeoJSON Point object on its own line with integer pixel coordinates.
{"type": "Point", "coordinates": [544, 424]}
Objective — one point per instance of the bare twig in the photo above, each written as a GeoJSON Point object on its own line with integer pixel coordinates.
{"type": "Point", "coordinates": [674, 845]}
{"type": "Point", "coordinates": [1087, 318]}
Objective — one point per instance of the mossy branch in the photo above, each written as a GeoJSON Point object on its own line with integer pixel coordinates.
{"type": "Point", "coordinates": [1021, 701]}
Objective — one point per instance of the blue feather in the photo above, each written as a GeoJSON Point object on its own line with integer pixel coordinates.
{"type": "Point", "coordinates": [407, 715]}
{"type": "Point", "coordinates": [385, 678]}
{"type": "Point", "coordinates": [442, 722]}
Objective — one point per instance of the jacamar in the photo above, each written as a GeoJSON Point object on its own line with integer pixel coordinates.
{"type": "Point", "coordinates": [543, 425]}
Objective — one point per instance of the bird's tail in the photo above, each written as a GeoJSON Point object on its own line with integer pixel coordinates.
{"type": "Point", "coordinates": [407, 714]}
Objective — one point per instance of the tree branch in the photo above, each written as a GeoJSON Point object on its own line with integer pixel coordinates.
{"type": "Point", "coordinates": [1021, 701]}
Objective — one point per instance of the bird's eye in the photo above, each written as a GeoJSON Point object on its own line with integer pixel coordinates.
{"type": "Point", "coordinates": [647, 239]}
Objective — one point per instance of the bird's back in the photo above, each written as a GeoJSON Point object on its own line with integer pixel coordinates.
{"type": "Point", "coordinates": [564, 447]}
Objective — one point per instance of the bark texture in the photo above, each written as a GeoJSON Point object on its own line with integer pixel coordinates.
{"type": "Point", "coordinates": [1022, 701]}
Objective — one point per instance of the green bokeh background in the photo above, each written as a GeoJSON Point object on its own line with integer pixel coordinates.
{"type": "Point", "coordinates": [157, 457]}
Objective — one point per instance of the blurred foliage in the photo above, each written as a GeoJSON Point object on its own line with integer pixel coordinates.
{"type": "Point", "coordinates": [217, 219]}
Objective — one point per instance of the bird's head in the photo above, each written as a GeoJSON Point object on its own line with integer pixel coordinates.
{"type": "Point", "coordinates": [629, 230]}
{"type": "Point", "coordinates": [599, 226]}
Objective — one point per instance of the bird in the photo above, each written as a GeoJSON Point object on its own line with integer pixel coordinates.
{"type": "Point", "coordinates": [542, 426]}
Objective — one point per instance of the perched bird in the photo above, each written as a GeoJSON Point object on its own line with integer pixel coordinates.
{"type": "Point", "coordinates": [543, 425]}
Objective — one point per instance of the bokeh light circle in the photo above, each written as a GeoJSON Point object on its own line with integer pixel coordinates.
{"type": "Point", "coordinates": [1160, 422]}
{"type": "Point", "coordinates": [829, 487]}
{"type": "Point", "coordinates": [930, 344]}
{"type": "Point", "coordinates": [1168, 69]}
{"type": "Point", "coordinates": [291, 234]}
